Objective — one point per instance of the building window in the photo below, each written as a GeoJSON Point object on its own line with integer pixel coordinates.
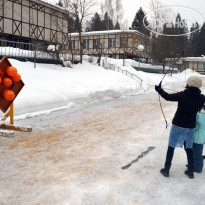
{"type": "Point", "coordinates": [112, 56]}
{"type": "Point", "coordinates": [201, 66]}
{"type": "Point", "coordinates": [73, 44]}
{"type": "Point", "coordinates": [85, 44]}
{"type": "Point", "coordinates": [111, 43]}
{"type": "Point", "coordinates": [121, 56]}
{"type": "Point", "coordinates": [96, 43]}
{"type": "Point", "coordinates": [124, 42]}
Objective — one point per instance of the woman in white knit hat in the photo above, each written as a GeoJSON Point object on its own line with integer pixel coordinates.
{"type": "Point", "coordinates": [190, 101]}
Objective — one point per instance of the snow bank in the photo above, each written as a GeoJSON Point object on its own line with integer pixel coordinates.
{"type": "Point", "coordinates": [152, 79]}
{"type": "Point", "coordinates": [51, 87]}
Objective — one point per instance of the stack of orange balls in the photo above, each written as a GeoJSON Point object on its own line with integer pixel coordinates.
{"type": "Point", "coordinates": [12, 77]}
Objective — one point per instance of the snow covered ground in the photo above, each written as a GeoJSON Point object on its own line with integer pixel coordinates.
{"type": "Point", "coordinates": [75, 156]}
{"type": "Point", "coordinates": [49, 87]}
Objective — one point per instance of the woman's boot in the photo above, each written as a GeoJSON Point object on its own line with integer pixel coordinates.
{"type": "Point", "coordinates": [165, 170]}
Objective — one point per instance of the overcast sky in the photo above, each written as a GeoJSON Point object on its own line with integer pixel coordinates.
{"type": "Point", "coordinates": [131, 6]}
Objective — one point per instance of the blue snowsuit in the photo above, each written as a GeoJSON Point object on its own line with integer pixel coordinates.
{"type": "Point", "coordinates": [199, 141]}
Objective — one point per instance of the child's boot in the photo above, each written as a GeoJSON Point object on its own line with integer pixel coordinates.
{"type": "Point", "coordinates": [190, 172]}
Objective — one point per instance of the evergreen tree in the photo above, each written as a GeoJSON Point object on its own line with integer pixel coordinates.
{"type": "Point", "coordinates": [117, 26]}
{"type": "Point", "coordinates": [60, 3]}
{"type": "Point", "coordinates": [180, 41]}
{"type": "Point", "coordinates": [114, 9]}
{"type": "Point", "coordinates": [201, 44]}
{"type": "Point", "coordinates": [194, 40]}
{"type": "Point", "coordinates": [95, 24]}
{"type": "Point", "coordinates": [107, 22]}
{"type": "Point", "coordinates": [77, 24]}
{"type": "Point", "coordinates": [138, 24]}
{"type": "Point", "coordinates": [72, 25]}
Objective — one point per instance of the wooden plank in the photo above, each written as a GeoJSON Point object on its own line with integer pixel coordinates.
{"type": "Point", "coordinates": [16, 127]}
{"type": "Point", "coordinates": [5, 116]}
{"type": "Point", "coordinates": [6, 133]}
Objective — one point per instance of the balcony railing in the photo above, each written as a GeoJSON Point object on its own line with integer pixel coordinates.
{"type": "Point", "coordinates": [24, 50]}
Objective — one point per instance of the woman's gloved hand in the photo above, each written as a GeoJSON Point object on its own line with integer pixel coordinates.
{"type": "Point", "coordinates": [158, 87]}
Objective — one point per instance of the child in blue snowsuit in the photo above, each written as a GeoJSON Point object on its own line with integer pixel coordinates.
{"type": "Point", "coordinates": [199, 140]}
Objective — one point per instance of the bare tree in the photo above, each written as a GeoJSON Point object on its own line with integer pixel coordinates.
{"type": "Point", "coordinates": [124, 25]}
{"type": "Point", "coordinates": [128, 44]}
{"type": "Point", "coordinates": [34, 35]}
{"type": "Point", "coordinates": [114, 9]}
{"type": "Point", "coordinates": [159, 12]}
{"type": "Point", "coordinates": [124, 45]}
{"type": "Point", "coordinates": [119, 12]}
{"type": "Point", "coordinates": [82, 9]}
{"type": "Point", "coordinates": [163, 46]}
{"type": "Point", "coordinates": [100, 48]}
{"type": "Point", "coordinates": [63, 48]}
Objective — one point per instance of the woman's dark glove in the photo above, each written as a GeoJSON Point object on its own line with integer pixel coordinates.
{"type": "Point", "coordinates": [158, 87]}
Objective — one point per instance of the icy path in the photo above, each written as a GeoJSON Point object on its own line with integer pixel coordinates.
{"type": "Point", "coordinates": [76, 157]}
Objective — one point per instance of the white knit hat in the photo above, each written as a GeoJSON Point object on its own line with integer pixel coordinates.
{"type": "Point", "coordinates": [194, 81]}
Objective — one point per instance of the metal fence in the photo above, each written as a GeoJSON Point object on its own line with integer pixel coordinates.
{"type": "Point", "coordinates": [147, 61]}
{"type": "Point", "coordinates": [24, 50]}
{"type": "Point", "coordinates": [110, 66]}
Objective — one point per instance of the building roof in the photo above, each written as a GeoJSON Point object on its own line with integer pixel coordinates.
{"type": "Point", "coordinates": [202, 58]}
{"type": "Point", "coordinates": [46, 3]}
{"type": "Point", "coordinates": [107, 32]}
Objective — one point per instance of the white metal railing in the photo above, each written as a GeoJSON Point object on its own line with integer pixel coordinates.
{"type": "Point", "coordinates": [110, 66]}
{"type": "Point", "coordinates": [24, 50]}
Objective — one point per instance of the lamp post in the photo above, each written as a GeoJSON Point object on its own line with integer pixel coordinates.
{"type": "Point", "coordinates": [140, 49]}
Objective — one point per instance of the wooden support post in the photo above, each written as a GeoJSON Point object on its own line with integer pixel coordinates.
{"type": "Point", "coordinates": [5, 116]}
{"type": "Point", "coordinates": [12, 114]}
{"type": "Point", "coordinates": [11, 126]}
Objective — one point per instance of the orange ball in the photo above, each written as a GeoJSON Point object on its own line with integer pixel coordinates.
{"type": "Point", "coordinates": [0, 79]}
{"type": "Point", "coordinates": [7, 82]}
{"type": "Point", "coordinates": [17, 78]}
{"type": "Point", "coordinates": [9, 95]}
{"type": "Point", "coordinates": [11, 71]}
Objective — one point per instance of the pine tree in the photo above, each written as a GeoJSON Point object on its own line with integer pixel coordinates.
{"type": "Point", "coordinates": [95, 24]}
{"type": "Point", "coordinates": [201, 44]}
{"type": "Point", "coordinates": [117, 26]}
{"type": "Point", "coordinates": [60, 3]}
{"type": "Point", "coordinates": [77, 25]}
{"type": "Point", "coordinates": [139, 21]}
{"type": "Point", "coordinates": [180, 41]}
{"type": "Point", "coordinates": [72, 25]}
{"type": "Point", "coordinates": [107, 22]}
{"type": "Point", "coordinates": [114, 9]}
{"type": "Point", "coordinates": [194, 40]}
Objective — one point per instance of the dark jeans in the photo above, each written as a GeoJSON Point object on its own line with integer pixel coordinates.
{"type": "Point", "coordinates": [170, 154]}
{"type": "Point", "coordinates": [198, 158]}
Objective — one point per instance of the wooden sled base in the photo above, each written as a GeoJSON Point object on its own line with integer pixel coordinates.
{"type": "Point", "coordinates": [15, 127]}
{"type": "Point", "coordinates": [11, 126]}
{"type": "Point", "coordinates": [6, 133]}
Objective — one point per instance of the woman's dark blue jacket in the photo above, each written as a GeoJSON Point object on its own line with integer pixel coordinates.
{"type": "Point", "coordinates": [190, 101]}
